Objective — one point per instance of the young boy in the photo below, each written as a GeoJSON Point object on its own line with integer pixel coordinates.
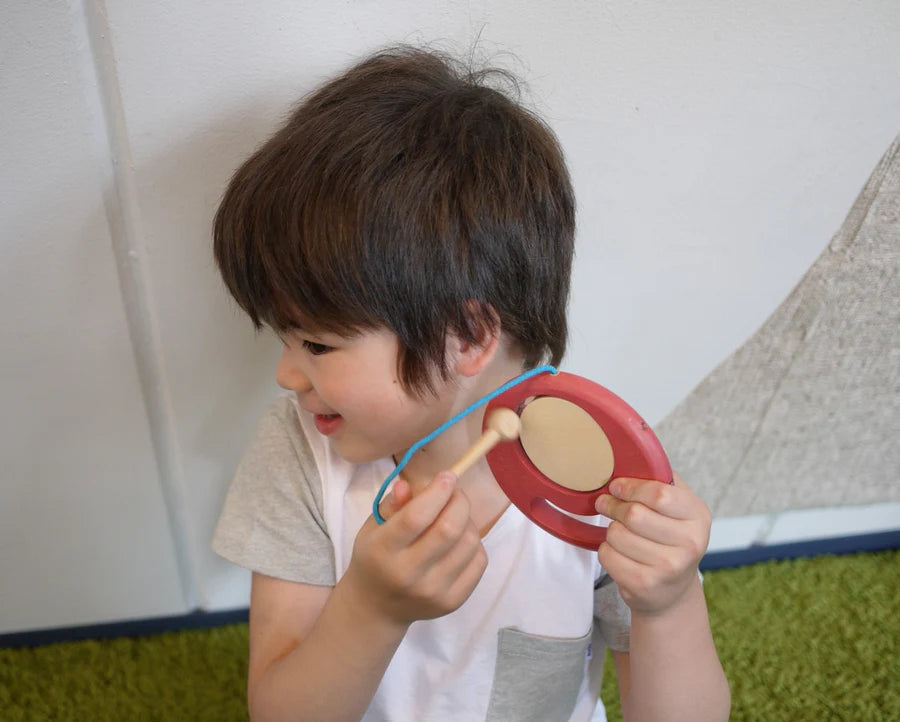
{"type": "Point", "coordinates": [409, 234]}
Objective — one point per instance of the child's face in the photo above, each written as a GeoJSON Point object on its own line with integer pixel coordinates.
{"type": "Point", "coordinates": [352, 388]}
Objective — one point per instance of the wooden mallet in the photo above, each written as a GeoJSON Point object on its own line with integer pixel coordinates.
{"type": "Point", "coordinates": [502, 424]}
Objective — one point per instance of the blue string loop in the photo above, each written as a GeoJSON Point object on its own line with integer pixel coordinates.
{"type": "Point", "coordinates": [446, 425]}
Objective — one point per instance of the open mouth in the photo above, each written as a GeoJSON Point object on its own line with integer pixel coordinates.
{"type": "Point", "coordinates": [327, 424]}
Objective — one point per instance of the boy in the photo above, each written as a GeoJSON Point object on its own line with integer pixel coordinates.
{"type": "Point", "coordinates": [409, 233]}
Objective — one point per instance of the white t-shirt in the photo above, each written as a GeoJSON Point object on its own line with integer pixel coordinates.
{"type": "Point", "coordinates": [529, 642]}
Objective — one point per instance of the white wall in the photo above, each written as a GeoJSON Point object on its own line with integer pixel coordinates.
{"type": "Point", "coordinates": [715, 148]}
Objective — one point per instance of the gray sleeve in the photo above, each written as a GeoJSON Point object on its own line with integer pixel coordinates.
{"type": "Point", "coordinates": [611, 615]}
{"type": "Point", "coordinates": [272, 521]}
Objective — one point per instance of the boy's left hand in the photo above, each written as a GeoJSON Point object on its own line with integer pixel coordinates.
{"type": "Point", "coordinates": [654, 544]}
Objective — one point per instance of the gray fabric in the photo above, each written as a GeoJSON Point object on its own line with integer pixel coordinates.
{"type": "Point", "coordinates": [611, 615]}
{"type": "Point", "coordinates": [273, 521]}
{"type": "Point", "coordinates": [807, 412]}
{"type": "Point", "coordinates": [536, 679]}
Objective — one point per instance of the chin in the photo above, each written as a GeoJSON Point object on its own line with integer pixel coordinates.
{"type": "Point", "coordinates": [357, 455]}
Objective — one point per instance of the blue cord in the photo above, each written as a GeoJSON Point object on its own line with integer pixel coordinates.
{"type": "Point", "coordinates": [446, 425]}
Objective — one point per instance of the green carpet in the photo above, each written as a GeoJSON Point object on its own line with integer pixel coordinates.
{"type": "Point", "coordinates": [812, 639]}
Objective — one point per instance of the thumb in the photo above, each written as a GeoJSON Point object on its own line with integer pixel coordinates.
{"type": "Point", "coordinates": [392, 503]}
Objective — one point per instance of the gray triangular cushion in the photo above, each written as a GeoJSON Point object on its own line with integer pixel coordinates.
{"type": "Point", "coordinates": [807, 412]}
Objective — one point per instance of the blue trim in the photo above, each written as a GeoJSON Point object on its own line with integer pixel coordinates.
{"type": "Point", "coordinates": [876, 542]}
{"type": "Point", "coordinates": [198, 619]}
{"type": "Point", "coordinates": [128, 628]}
{"type": "Point", "coordinates": [446, 425]}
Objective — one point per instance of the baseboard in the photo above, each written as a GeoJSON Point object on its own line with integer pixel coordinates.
{"type": "Point", "coordinates": [793, 526]}
{"type": "Point", "coordinates": [877, 542]}
{"type": "Point", "coordinates": [200, 619]}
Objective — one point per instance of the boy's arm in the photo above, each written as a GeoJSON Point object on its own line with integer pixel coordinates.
{"type": "Point", "coordinates": [320, 653]}
{"type": "Point", "coordinates": [674, 657]}
{"type": "Point", "coordinates": [311, 655]}
{"type": "Point", "coordinates": [658, 535]}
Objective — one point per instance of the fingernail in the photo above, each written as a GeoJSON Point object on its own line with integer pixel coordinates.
{"type": "Point", "coordinates": [615, 488]}
{"type": "Point", "coordinates": [446, 477]}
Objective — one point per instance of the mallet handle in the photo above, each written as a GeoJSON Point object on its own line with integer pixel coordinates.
{"type": "Point", "coordinates": [502, 425]}
{"type": "Point", "coordinates": [489, 439]}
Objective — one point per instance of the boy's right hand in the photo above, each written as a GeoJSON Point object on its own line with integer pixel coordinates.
{"type": "Point", "coordinates": [425, 560]}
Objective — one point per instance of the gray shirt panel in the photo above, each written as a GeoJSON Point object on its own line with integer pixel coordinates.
{"type": "Point", "coordinates": [611, 614]}
{"type": "Point", "coordinates": [273, 520]}
{"type": "Point", "coordinates": [536, 678]}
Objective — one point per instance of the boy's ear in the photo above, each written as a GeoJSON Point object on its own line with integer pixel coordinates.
{"type": "Point", "coordinates": [470, 357]}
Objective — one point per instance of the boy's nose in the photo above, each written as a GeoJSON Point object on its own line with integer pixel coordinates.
{"type": "Point", "coordinates": [288, 374]}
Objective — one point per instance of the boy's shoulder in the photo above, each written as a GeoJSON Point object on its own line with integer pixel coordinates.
{"type": "Point", "coordinates": [295, 492]}
{"type": "Point", "coordinates": [273, 519]}
{"type": "Point", "coordinates": [281, 438]}
{"type": "Point", "coordinates": [284, 421]}
{"type": "Point", "coordinates": [286, 436]}
{"type": "Point", "coordinates": [288, 444]}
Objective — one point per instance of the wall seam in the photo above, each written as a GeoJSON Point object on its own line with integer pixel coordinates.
{"type": "Point", "coordinates": [124, 218]}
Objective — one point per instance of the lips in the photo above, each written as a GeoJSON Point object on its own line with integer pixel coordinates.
{"type": "Point", "coordinates": [327, 424]}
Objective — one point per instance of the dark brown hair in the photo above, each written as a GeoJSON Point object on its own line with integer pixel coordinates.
{"type": "Point", "coordinates": [406, 193]}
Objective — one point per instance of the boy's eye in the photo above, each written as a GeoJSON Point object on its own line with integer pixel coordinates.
{"type": "Point", "coordinates": [316, 349]}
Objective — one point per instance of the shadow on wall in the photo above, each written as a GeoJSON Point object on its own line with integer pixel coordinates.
{"type": "Point", "coordinates": [204, 373]}
{"type": "Point", "coordinates": [807, 412]}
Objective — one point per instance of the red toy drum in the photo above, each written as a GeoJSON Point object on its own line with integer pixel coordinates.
{"type": "Point", "coordinates": [575, 437]}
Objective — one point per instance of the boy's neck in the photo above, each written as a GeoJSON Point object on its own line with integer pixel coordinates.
{"type": "Point", "coordinates": [486, 497]}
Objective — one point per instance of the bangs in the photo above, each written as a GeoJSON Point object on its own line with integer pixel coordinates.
{"type": "Point", "coordinates": [304, 279]}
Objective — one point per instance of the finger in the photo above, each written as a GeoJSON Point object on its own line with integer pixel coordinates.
{"type": "Point", "coordinates": [640, 519]}
{"type": "Point", "coordinates": [620, 567]}
{"type": "Point", "coordinates": [450, 526]}
{"type": "Point", "coordinates": [677, 502]}
{"type": "Point", "coordinates": [423, 509]}
{"type": "Point", "coordinates": [460, 555]}
{"type": "Point", "coordinates": [635, 547]}
{"type": "Point", "coordinates": [468, 577]}
{"type": "Point", "coordinates": [443, 571]}
{"type": "Point", "coordinates": [400, 494]}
